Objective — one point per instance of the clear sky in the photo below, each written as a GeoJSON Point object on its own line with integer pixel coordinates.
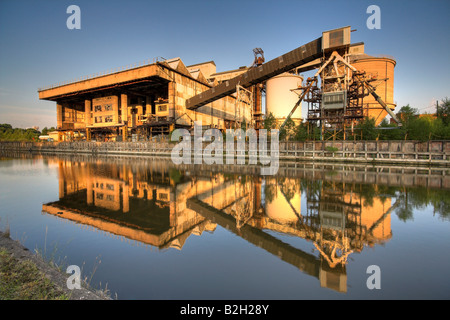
{"type": "Point", "coordinates": [37, 49]}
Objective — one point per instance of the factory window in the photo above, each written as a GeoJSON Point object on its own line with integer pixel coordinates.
{"type": "Point", "coordinates": [98, 119]}
{"type": "Point", "coordinates": [97, 108]}
{"type": "Point", "coordinates": [110, 197]}
{"type": "Point", "coordinates": [108, 107]}
{"type": "Point", "coordinates": [163, 196]}
{"type": "Point", "coordinates": [109, 119]}
{"type": "Point", "coordinates": [99, 196]}
{"type": "Point", "coordinates": [335, 98]}
{"type": "Point", "coordinates": [110, 186]}
{"type": "Point", "coordinates": [162, 108]}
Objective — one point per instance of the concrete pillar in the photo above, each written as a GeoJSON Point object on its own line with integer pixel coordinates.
{"type": "Point", "coordinates": [133, 117]}
{"type": "Point", "coordinates": [148, 105]}
{"type": "Point", "coordinates": [124, 133]}
{"type": "Point", "coordinates": [124, 107]}
{"type": "Point", "coordinates": [116, 111]}
{"type": "Point", "coordinates": [87, 112]}
{"type": "Point", "coordinates": [172, 99]}
{"type": "Point", "coordinates": [59, 115]}
{"type": "Point", "coordinates": [88, 134]}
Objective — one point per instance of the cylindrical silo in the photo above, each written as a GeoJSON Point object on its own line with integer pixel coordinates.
{"type": "Point", "coordinates": [382, 69]}
{"type": "Point", "coordinates": [280, 99]}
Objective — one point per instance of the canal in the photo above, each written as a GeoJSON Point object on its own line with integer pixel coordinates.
{"type": "Point", "coordinates": [144, 228]}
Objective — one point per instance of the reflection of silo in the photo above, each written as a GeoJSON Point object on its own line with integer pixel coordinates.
{"type": "Point", "coordinates": [280, 99]}
{"type": "Point", "coordinates": [380, 68]}
{"type": "Point", "coordinates": [281, 210]}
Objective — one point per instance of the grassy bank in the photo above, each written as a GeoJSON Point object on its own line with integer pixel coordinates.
{"type": "Point", "coordinates": [22, 280]}
{"type": "Point", "coordinates": [27, 276]}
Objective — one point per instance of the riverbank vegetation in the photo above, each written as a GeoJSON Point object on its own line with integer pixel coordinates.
{"type": "Point", "coordinates": [22, 280]}
{"type": "Point", "coordinates": [8, 133]}
{"type": "Point", "coordinates": [415, 126]}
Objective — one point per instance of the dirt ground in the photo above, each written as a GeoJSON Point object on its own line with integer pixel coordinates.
{"type": "Point", "coordinates": [57, 277]}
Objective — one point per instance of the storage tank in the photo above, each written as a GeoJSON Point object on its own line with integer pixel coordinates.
{"type": "Point", "coordinates": [381, 68]}
{"type": "Point", "coordinates": [280, 99]}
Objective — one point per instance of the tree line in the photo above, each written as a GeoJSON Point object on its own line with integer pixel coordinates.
{"type": "Point", "coordinates": [8, 133]}
{"type": "Point", "coordinates": [414, 127]}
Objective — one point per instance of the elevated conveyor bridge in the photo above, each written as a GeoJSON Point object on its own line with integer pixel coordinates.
{"type": "Point", "coordinates": [286, 62]}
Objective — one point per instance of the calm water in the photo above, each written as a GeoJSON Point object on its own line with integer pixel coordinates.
{"type": "Point", "coordinates": [148, 230]}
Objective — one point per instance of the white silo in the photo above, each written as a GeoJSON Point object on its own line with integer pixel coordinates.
{"type": "Point", "coordinates": [280, 99]}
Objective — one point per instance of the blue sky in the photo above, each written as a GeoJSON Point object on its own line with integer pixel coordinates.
{"type": "Point", "coordinates": [37, 49]}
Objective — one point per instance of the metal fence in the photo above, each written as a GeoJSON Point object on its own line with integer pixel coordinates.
{"type": "Point", "coordinates": [429, 152]}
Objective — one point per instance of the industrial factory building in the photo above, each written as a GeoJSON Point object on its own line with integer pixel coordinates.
{"type": "Point", "coordinates": [153, 98]}
{"type": "Point", "coordinates": [146, 100]}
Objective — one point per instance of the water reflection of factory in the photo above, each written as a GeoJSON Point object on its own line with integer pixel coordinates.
{"type": "Point", "coordinates": [338, 220]}
{"type": "Point", "coordinates": [144, 205]}
{"type": "Point", "coordinates": [160, 206]}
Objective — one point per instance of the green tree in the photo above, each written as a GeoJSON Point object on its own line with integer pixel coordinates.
{"type": "Point", "coordinates": [443, 111]}
{"type": "Point", "coordinates": [244, 125]}
{"type": "Point", "coordinates": [392, 131]}
{"type": "Point", "coordinates": [16, 134]}
{"type": "Point", "coordinates": [5, 126]}
{"type": "Point", "coordinates": [367, 129]}
{"type": "Point", "coordinates": [440, 131]}
{"type": "Point", "coordinates": [420, 129]}
{"type": "Point", "coordinates": [406, 113]}
{"type": "Point", "coordinates": [288, 131]}
{"type": "Point", "coordinates": [301, 132]}
{"type": "Point", "coordinates": [270, 122]}
{"type": "Point", "coordinates": [405, 210]}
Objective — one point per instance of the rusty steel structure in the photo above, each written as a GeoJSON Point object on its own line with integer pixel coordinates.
{"type": "Point", "coordinates": [334, 103]}
{"type": "Point", "coordinates": [338, 103]}
{"type": "Point", "coordinates": [258, 91]}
